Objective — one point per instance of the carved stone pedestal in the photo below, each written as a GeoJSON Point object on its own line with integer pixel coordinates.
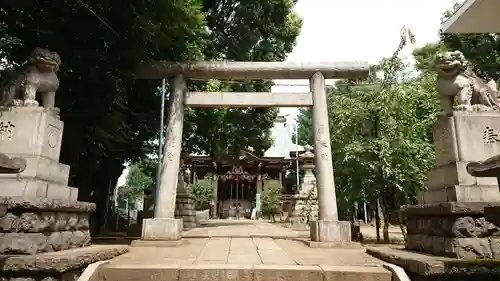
{"type": "Point", "coordinates": [450, 221]}
{"type": "Point", "coordinates": [35, 135]}
{"type": "Point", "coordinates": [465, 137]}
{"type": "Point", "coordinates": [40, 213]}
{"type": "Point", "coordinates": [33, 226]}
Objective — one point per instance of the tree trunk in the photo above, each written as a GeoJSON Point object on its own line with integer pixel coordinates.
{"type": "Point", "coordinates": [355, 212]}
{"type": "Point", "coordinates": [402, 224]}
{"type": "Point", "coordinates": [384, 209]}
{"type": "Point", "coordinates": [377, 218]}
{"type": "Point", "coordinates": [386, 224]}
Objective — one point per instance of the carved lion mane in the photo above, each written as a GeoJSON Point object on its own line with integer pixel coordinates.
{"type": "Point", "coordinates": [45, 60]}
{"type": "Point", "coordinates": [457, 79]}
{"type": "Point", "coordinates": [450, 64]}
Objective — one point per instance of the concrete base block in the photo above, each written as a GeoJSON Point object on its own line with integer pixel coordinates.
{"type": "Point", "coordinates": [330, 231]}
{"type": "Point", "coordinates": [146, 243]}
{"type": "Point", "coordinates": [161, 229]}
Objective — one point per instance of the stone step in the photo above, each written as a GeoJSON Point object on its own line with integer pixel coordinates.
{"type": "Point", "coordinates": [239, 272]}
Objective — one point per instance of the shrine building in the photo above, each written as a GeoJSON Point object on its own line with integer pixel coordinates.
{"type": "Point", "coordinates": [241, 182]}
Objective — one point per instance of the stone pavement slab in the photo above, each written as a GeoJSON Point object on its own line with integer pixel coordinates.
{"type": "Point", "coordinates": [247, 251]}
{"type": "Point", "coordinates": [253, 251]}
{"type": "Point", "coordinates": [242, 228]}
{"type": "Point", "coordinates": [246, 242]}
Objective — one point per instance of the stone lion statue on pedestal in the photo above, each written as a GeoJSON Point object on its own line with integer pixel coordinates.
{"type": "Point", "coordinates": [37, 76]}
{"type": "Point", "coordinates": [456, 79]}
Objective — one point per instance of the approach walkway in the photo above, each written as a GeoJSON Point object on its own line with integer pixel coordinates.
{"type": "Point", "coordinates": [243, 246]}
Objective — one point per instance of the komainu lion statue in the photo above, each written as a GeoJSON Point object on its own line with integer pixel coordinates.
{"type": "Point", "coordinates": [456, 79]}
{"type": "Point", "coordinates": [37, 76]}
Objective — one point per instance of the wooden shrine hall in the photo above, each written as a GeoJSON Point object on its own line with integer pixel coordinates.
{"type": "Point", "coordinates": [241, 181]}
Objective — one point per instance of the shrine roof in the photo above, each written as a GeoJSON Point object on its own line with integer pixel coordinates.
{"type": "Point", "coordinates": [474, 16]}
{"type": "Point", "coordinates": [246, 157]}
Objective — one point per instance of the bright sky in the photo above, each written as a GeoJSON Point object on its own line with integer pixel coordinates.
{"type": "Point", "coordinates": [362, 30]}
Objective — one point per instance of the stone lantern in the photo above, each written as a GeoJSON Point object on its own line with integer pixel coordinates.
{"type": "Point", "coordinates": [307, 160]}
{"type": "Point", "coordinates": [306, 207]}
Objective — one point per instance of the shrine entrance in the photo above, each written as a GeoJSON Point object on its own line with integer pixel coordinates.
{"type": "Point", "coordinates": [240, 182]}
{"type": "Point", "coordinates": [164, 225]}
{"type": "Point", "coordinates": [236, 193]}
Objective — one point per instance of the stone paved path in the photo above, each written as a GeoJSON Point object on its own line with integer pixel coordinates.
{"type": "Point", "coordinates": [242, 228]}
{"type": "Point", "coordinates": [245, 242]}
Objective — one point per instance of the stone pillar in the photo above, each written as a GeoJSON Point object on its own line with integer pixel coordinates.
{"type": "Point", "coordinates": [214, 196]}
{"type": "Point", "coordinates": [164, 226]}
{"type": "Point", "coordinates": [258, 205]}
{"type": "Point", "coordinates": [327, 228]}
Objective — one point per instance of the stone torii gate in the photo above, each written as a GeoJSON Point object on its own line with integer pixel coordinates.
{"type": "Point", "coordinates": [164, 226]}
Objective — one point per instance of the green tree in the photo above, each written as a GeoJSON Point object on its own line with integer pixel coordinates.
{"type": "Point", "coordinates": [380, 136]}
{"type": "Point", "coordinates": [271, 198]}
{"type": "Point", "coordinates": [136, 183]}
{"type": "Point", "coordinates": [110, 118]}
{"type": "Point", "coordinates": [425, 55]}
{"type": "Point", "coordinates": [202, 192]}
{"type": "Point", "coordinates": [7, 42]}
{"type": "Point", "coordinates": [255, 31]}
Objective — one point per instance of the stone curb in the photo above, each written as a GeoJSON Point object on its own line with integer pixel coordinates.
{"type": "Point", "coordinates": [241, 272]}
{"type": "Point", "coordinates": [91, 273]}
{"type": "Point", "coordinates": [426, 265]}
{"type": "Point", "coordinates": [398, 273]}
{"type": "Point", "coordinates": [416, 263]}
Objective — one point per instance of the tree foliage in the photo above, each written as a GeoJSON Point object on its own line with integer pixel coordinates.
{"type": "Point", "coordinates": [380, 134]}
{"type": "Point", "coordinates": [271, 198]}
{"type": "Point", "coordinates": [110, 118]}
{"type": "Point", "coordinates": [137, 181]}
{"type": "Point", "coordinates": [202, 192]}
